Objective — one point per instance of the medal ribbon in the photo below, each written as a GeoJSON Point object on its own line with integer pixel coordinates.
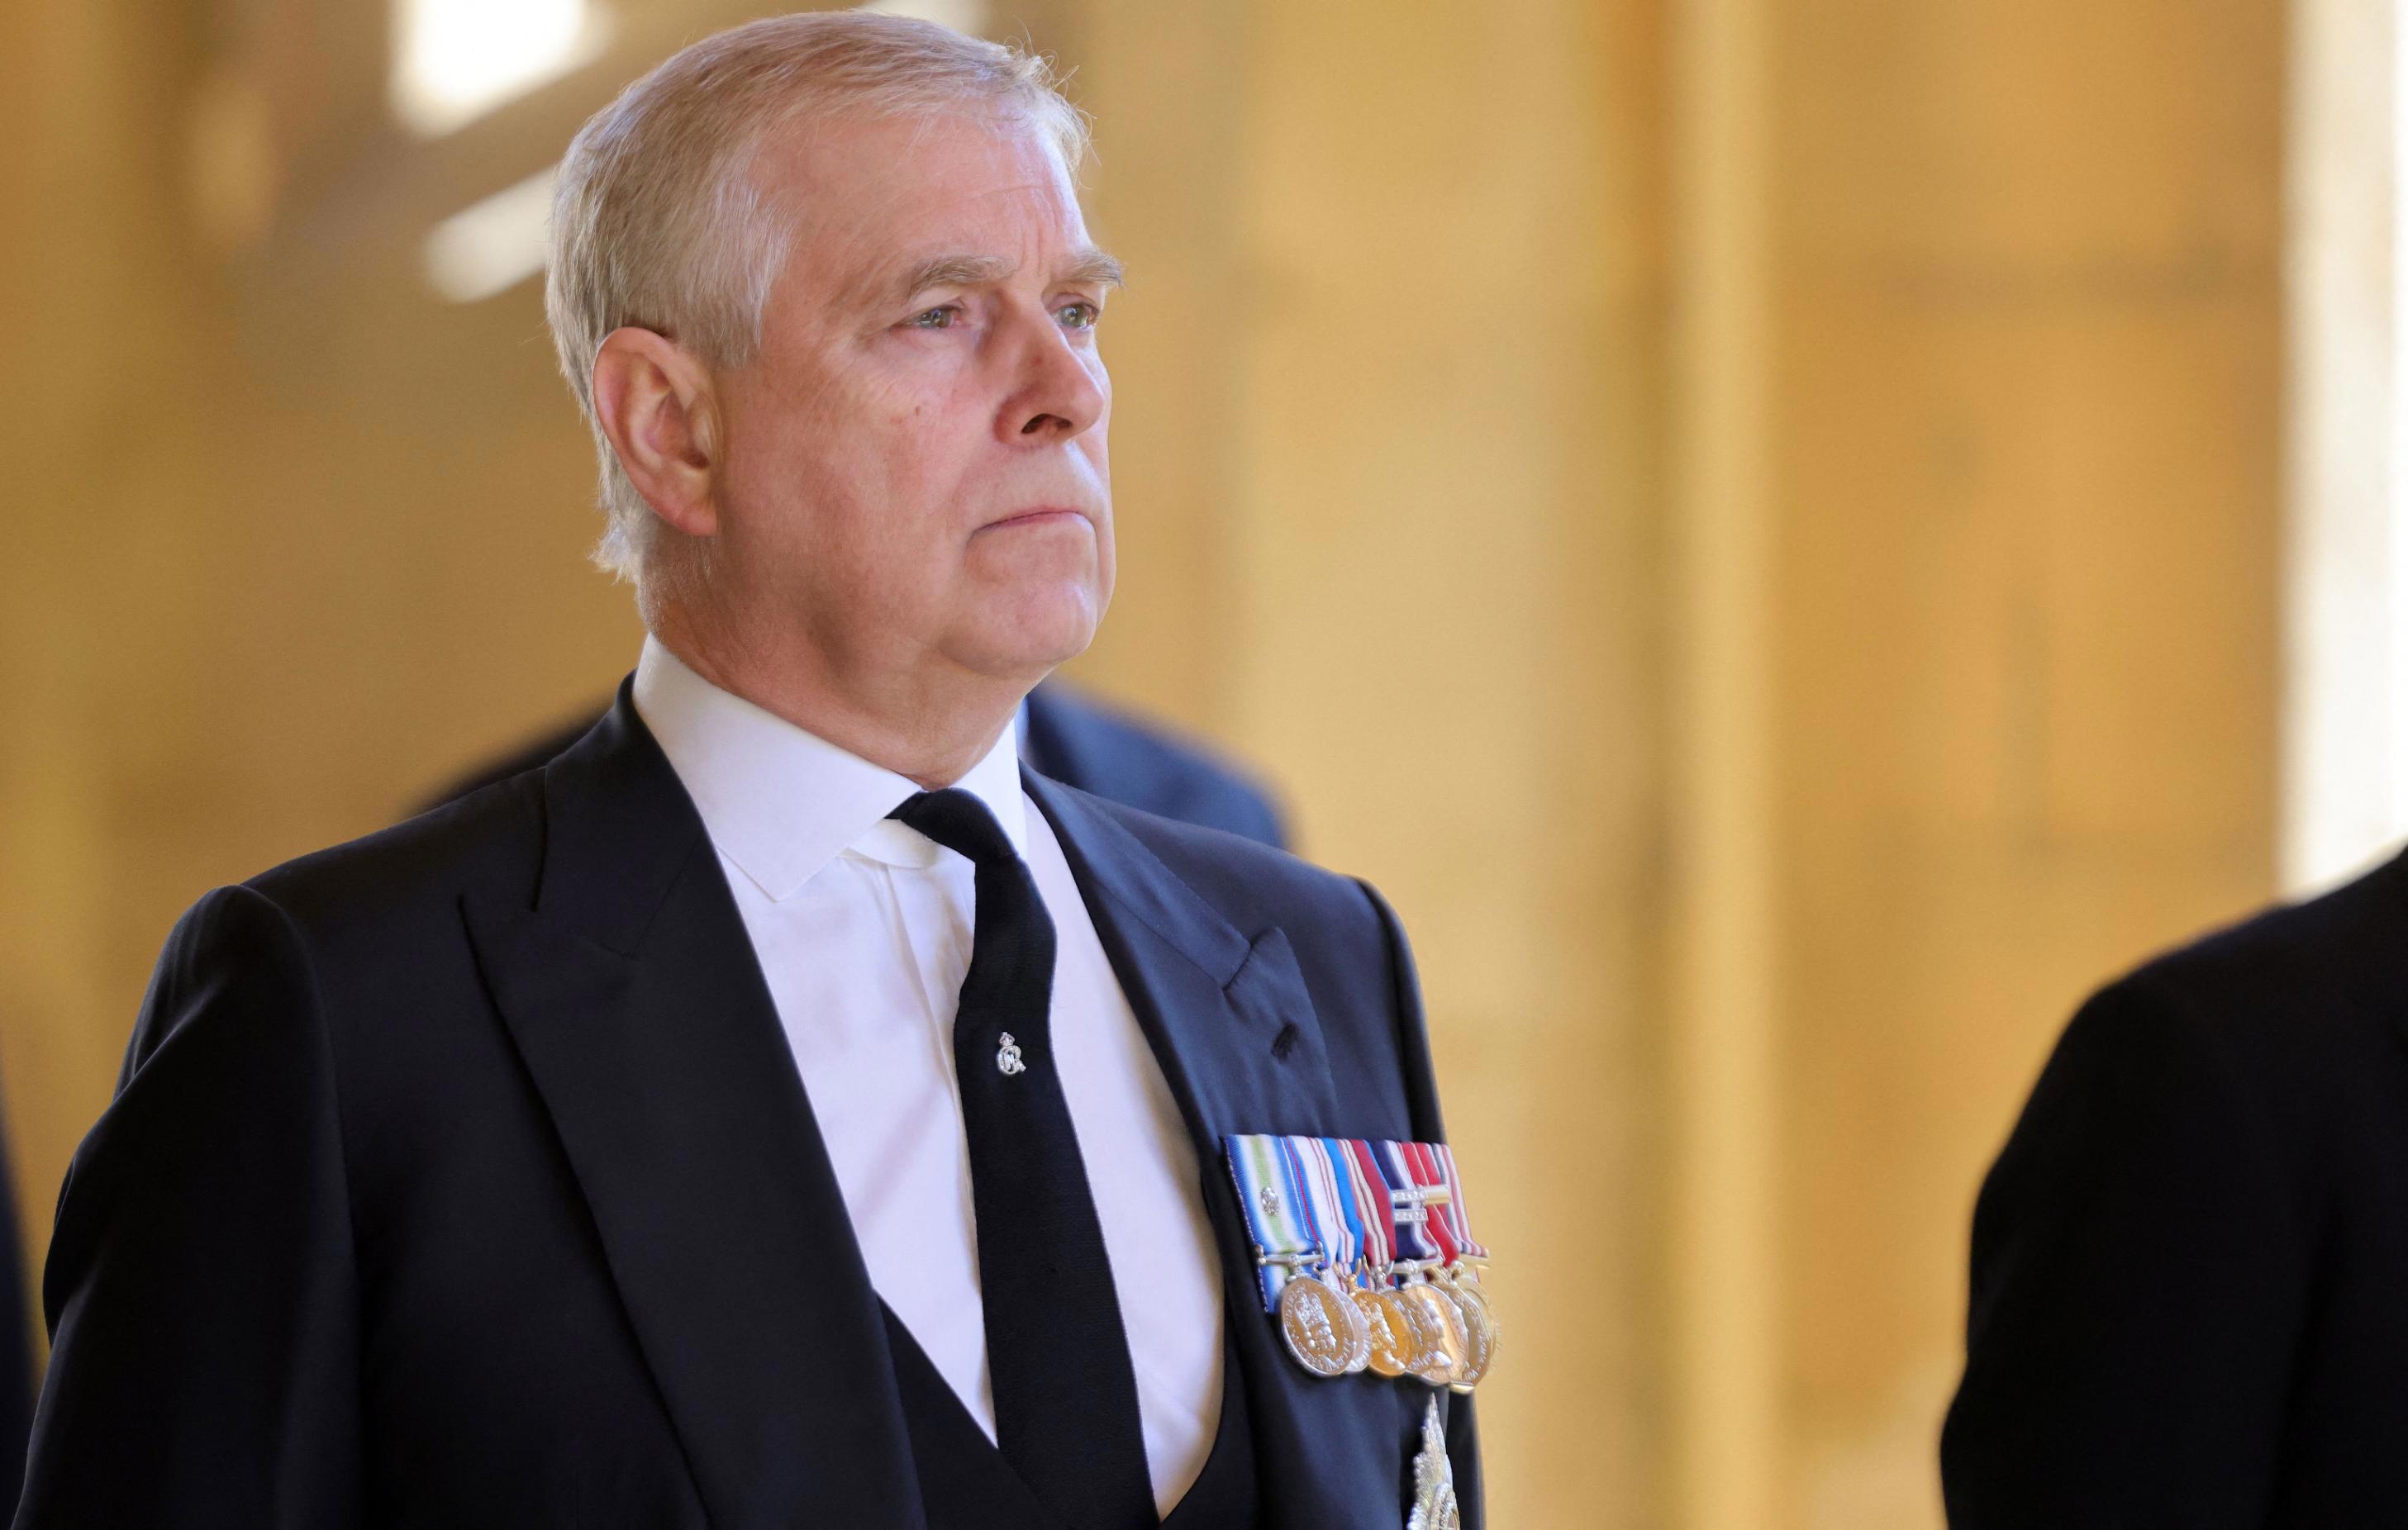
{"type": "Point", "coordinates": [1378, 1213]}
{"type": "Point", "coordinates": [1332, 1192]}
{"type": "Point", "coordinates": [1441, 1223]}
{"type": "Point", "coordinates": [1425, 1237]}
{"type": "Point", "coordinates": [1458, 1216]}
{"type": "Point", "coordinates": [1308, 1202]}
{"type": "Point", "coordinates": [1275, 1208]}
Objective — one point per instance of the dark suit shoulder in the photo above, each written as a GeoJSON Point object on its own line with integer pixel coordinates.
{"type": "Point", "coordinates": [491, 838]}
{"type": "Point", "coordinates": [2193, 1231]}
{"type": "Point", "coordinates": [2360, 922]}
{"type": "Point", "coordinates": [2290, 1001]}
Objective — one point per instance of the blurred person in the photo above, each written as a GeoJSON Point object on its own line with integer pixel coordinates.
{"type": "Point", "coordinates": [2189, 1260]}
{"type": "Point", "coordinates": [781, 1108]}
{"type": "Point", "coordinates": [16, 1335]}
{"type": "Point", "coordinates": [1063, 735]}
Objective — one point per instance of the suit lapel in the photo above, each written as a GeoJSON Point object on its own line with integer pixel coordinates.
{"type": "Point", "coordinates": [1230, 1020]}
{"type": "Point", "coordinates": [1228, 1015]}
{"type": "Point", "coordinates": [634, 998]}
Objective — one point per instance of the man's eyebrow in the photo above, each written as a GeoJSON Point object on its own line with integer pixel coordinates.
{"type": "Point", "coordinates": [1091, 267]}
{"type": "Point", "coordinates": [953, 271]}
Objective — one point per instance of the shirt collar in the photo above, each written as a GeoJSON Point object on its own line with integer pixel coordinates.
{"type": "Point", "coordinates": [780, 802]}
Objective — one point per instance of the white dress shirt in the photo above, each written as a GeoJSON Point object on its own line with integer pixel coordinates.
{"type": "Point", "coordinates": [862, 928]}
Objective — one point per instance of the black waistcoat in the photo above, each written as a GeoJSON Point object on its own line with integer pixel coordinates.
{"type": "Point", "coordinates": [966, 1484]}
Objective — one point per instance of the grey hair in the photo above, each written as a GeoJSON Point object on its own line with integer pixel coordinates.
{"type": "Point", "coordinates": [657, 222]}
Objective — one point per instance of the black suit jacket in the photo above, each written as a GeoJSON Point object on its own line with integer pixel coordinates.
{"type": "Point", "coordinates": [462, 1176]}
{"type": "Point", "coordinates": [2190, 1263]}
{"type": "Point", "coordinates": [1067, 737]}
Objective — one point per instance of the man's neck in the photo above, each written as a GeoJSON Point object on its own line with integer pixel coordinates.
{"type": "Point", "coordinates": [928, 728]}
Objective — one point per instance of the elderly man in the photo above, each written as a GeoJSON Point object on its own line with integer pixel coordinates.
{"type": "Point", "coordinates": [779, 1109]}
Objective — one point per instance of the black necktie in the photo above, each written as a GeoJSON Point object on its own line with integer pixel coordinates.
{"type": "Point", "coordinates": [1065, 1412]}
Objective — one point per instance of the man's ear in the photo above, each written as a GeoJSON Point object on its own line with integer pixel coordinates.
{"type": "Point", "coordinates": [655, 406]}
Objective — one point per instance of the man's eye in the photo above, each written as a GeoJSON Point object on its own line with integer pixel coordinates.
{"type": "Point", "coordinates": [937, 317]}
{"type": "Point", "coordinates": [1079, 315]}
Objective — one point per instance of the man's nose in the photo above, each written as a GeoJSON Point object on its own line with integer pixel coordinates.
{"type": "Point", "coordinates": [1059, 393]}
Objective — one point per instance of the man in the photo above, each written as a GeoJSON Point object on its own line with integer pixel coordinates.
{"type": "Point", "coordinates": [2189, 1261]}
{"type": "Point", "coordinates": [1063, 735]}
{"type": "Point", "coordinates": [780, 1111]}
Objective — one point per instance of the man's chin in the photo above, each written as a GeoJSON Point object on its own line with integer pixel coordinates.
{"type": "Point", "coordinates": [1032, 637]}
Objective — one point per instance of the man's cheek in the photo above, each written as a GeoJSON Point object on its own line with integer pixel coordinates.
{"type": "Point", "coordinates": [904, 404]}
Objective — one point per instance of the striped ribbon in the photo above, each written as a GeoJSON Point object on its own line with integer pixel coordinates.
{"type": "Point", "coordinates": [1275, 1208]}
{"type": "Point", "coordinates": [1372, 1200]}
{"type": "Point", "coordinates": [1316, 1201]}
{"type": "Point", "coordinates": [1420, 1235]}
{"type": "Point", "coordinates": [1458, 1212]}
{"type": "Point", "coordinates": [1331, 1191]}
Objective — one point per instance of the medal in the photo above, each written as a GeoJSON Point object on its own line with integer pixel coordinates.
{"type": "Point", "coordinates": [1419, 1195]}
{"type": "Point", "coordinates": [1392, 1337]}
{"type": "Point", "coordinates": [1440, 1232]}
{"type": "Point", "coordinates": [1337, 1226]}
{"type": "Point", "coordinates": [1435, 1505]}
{"type": "Point", "coordinates": [1324, 1331]}
{"type": "Point", "coordinates": [1479, 1328]}
{"type": "Point", "coordinates": [1394, 1340]}
{"type": "Point", "coordinates": [1365, 1258]}
{"type": "Point", "coordinates": [1461, 1277]}
{"type": "Point", "coordinates": [1437, 1333]}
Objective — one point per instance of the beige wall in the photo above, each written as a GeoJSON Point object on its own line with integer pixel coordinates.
{"type": "Point", "coordinates": [1753, 522]}
{"type": "Point", "coordinates": [1387, 410]}
{"type": "Point", "coordinates": [302, 539]}
{"type": "Point", "coordinates": [2021, 375]}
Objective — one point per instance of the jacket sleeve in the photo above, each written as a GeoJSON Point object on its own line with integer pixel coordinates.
{"type": "Point", "coordinates": [1421, 1084]}
{"type": "Point", "coordinates": [201, 1290]}
{"type": "Point", "coordinates": [2139, 1283]}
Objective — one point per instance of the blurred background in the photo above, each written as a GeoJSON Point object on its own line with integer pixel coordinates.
{"type": "Point", "coordinates": [1791, 537]}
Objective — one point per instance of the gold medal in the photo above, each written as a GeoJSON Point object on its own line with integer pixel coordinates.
{"type": "Point", "coordinates": [1324, 1330]}
{"type": "Point", "coordinates": [1437, 1333]}
{"type": "Point", "coordinates": [1392, 1335]}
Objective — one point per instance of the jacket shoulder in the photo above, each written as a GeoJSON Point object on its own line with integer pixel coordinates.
{"type": "Point", "coordinates": [491, 839]}
{"type": "Point", "coordinates": [2292, 1013]}
{"type": "Point", "coordinates": [2336, 952]}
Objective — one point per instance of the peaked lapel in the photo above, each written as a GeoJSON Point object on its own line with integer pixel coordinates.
{"type": "Point", "coordinates": [1245, 1053]}
{"type": "Point", "coordinates": [1234, 1027]}
{"type": "Point", "coordinates": [633, 994]}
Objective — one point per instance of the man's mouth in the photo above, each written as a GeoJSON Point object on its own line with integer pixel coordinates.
{"type": "Point", "coordinates": [1035, 515]}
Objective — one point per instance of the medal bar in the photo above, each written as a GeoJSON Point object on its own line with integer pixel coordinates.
{"type": "Point", "coordinates": [1364, 1256]}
